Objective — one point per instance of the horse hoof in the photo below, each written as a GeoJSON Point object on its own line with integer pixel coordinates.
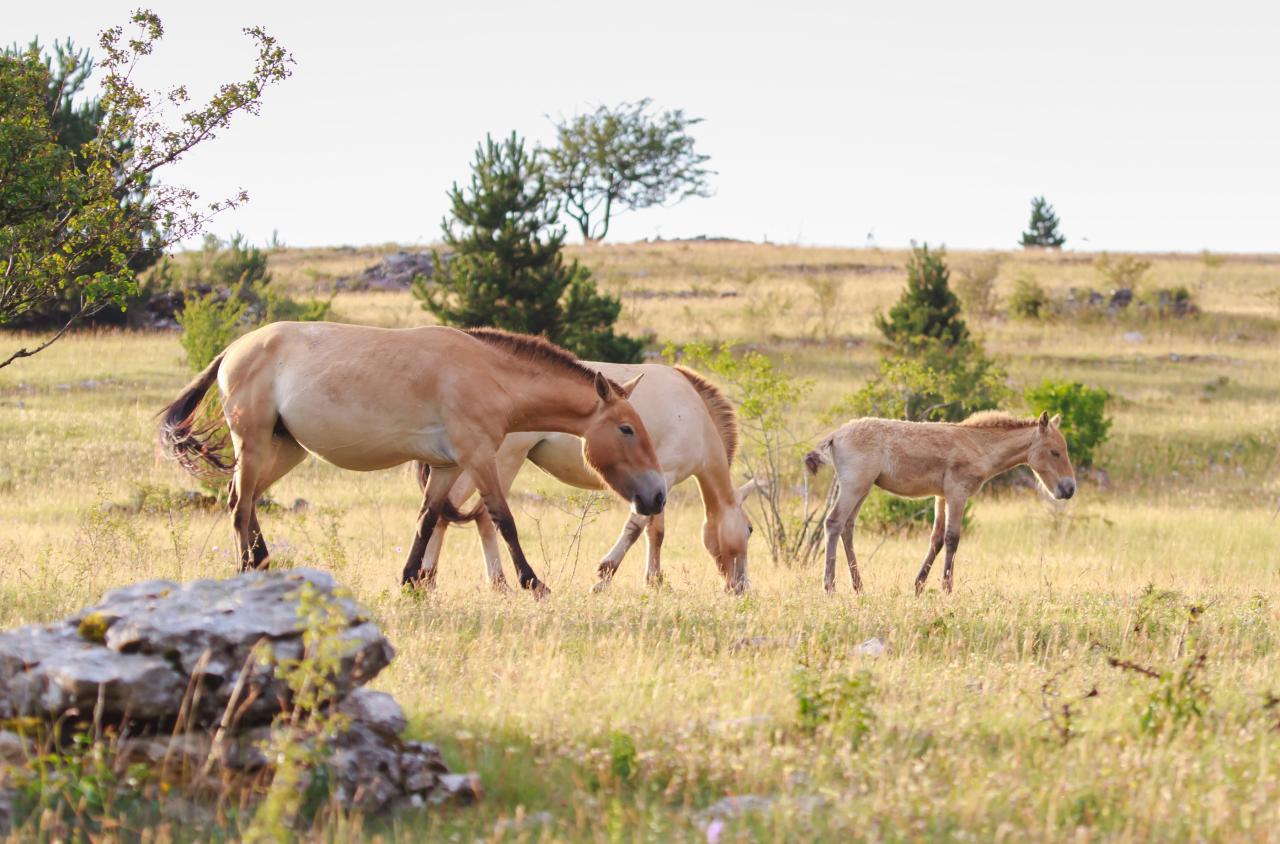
{"type": "Point", "coordinates": [602, 585]}
{"type": "Point", "coordinates": [540, 590]}
{"type": "Point", "coordinates": [500, 587]}
{"type": "Point", "coordinates": [829, 588]}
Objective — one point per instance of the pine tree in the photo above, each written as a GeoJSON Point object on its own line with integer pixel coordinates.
{"type": "Point", "coordinates": [507, 269]}
{"type": "Point", "coordinates": [1042, 232]}
{"type": "Point", "coordinates": [928, 309]}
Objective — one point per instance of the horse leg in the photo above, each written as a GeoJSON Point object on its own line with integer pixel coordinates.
{"type": "Point", "coordinates": [609, 565]}
{"type": "Point", "coordinates": [492, 556]}
{"type": "Point", "coordinates": [433, 498]}
{"type": "Point", "coordinates": [485, 475]}
{"type": "Point", "coordinates": [285, 455]}
{"type": "Point", "coordinates": [253, 456]}
{"type": "Point", "coordinates": [847, 536]}
{"type": "Point", "coordinates": [654, 535]}
{"type": "Point", "coordinates": [836, 520]}
{"type": "Point", "coordinates": [431, 554]}
{"type": "Point", "coordinates": [955, 521]}
{"type": "Point", "coordinates": [935, 541]}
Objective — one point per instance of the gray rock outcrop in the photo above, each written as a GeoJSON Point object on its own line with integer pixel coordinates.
{"type": "Point", "coordinates": [187, 674]}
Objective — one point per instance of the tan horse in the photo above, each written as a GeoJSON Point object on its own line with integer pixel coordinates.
{"type": "Point", "coordinates": [371, 398]}
{"type": "Point", "coordinates": [695, 434]}
{"type": "Point", "coordinates": [948, 461]}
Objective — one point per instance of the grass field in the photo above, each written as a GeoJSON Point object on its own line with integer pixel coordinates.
{"type": "Point", "coordinates": [625, 716]}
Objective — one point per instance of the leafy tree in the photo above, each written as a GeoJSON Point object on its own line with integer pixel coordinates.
{"type": "Point", "coordinates": [623, 158]}
{"type": "Point", "coordinates": [66, 220]}
{"type": "Point", "coordinates": [74, 120]}
{"type": "Point", "coordinates": [1042, 232]}
{"type": "Point", "coordinates": [507, 269]}
{"type": "Point", "coordinates": [1085, 423]}
{"type": "Point", "coordinates": [928, 308]}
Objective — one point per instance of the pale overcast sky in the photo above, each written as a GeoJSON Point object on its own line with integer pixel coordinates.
{"type": "Point", "coordinates": [1148, 125]}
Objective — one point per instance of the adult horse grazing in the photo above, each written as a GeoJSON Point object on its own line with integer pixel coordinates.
{"type": "Point", "coordinates": [948, 461]}
{"type": "Point", "coordinates": [371, 398]}
{"type": "Point", "coordinates": [695, 434]}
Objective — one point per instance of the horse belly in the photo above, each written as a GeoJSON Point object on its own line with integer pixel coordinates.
{"type": "Point", "coordinates": [365, 439]}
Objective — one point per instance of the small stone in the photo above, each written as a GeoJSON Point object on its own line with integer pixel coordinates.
{"type": "Point", "coordinates": [873, 647]}
{"type": "Point", "coordinates": [1133, 337]}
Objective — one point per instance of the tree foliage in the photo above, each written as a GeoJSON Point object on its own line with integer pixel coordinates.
{"type": "Point", "coordinates": [624, 158]}
{"type": "Point", "coordinates": [1042, 232]}
{"type": "Point", "coordinates": [67, 225]}
{"type": "Point", "coordinates": [507, 268]}
{"type": "Point", "coordinates": [1085, 423]}
{"type": "Point", "coordinates": [74, 120]}
{"type": "Point", "coordinates": [928, 309]}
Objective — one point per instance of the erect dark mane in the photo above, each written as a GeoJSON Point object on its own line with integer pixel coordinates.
{"type": "Point", "coordinates": [997, 419]}
{"type": "Point", "coordinates": [536, 349]}
{"type": "Point", "coordinates": [720, 408]}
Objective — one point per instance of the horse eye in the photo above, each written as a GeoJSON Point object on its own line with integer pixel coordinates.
{"type": "Point", "coordinates": [1056, 453]}
{"type": "Point", "coordinates": [627, 430]}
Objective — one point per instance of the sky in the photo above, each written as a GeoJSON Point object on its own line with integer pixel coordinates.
{"type": "Point", "coordinates": [1148, 126]}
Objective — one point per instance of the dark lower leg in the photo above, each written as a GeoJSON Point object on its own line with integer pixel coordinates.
{"type": "Point", "coordinates": [427, 519]}
{"type": "Point", "coordinates": [935, 543]}
{"type": "Point", "coordinates": [524, 572]}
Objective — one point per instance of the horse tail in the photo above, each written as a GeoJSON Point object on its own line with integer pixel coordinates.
{"type": "Point", "coordinates": [200, 448]}
{"type": "Point", "coordinates": [820, 455]}
{"type": "Point", "coordinates": [422, 471]}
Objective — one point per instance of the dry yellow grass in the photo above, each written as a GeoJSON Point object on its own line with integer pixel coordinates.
{"type": "Point", "coordinates": [547, 699]}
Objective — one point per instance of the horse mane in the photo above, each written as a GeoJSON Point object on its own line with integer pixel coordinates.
{"type": "Point", "coordinates": [720, 408]}
{"type": "Point", "coordinates": [536, 350]}
{"type": "Point", "coordinates": [998, 420]}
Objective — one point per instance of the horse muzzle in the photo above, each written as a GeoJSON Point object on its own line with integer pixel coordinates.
{"type": "Point", "coordinates": [1066, 488]}
{"type": "Point", "coordinates": [650, 495]}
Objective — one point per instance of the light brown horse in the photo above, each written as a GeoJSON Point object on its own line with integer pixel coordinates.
{"type": "Point", "coordinates": [948, 461]}
{"type": "Point", "coordinates": [695, 433]}
{"type": "Point", "coordinates": [371, 398]}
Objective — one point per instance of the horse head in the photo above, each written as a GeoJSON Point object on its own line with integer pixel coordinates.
{"type": "Point", "coordinates": [616, 445]}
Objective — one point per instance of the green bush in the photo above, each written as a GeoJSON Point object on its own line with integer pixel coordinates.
{"type": "Point", "coordinates": [937, 384]}
{"type": "Point", "coordinates": [1126, 271]}
{"type": "Point", "coordinates": [1028, 299]}
{"type": "Point", "coordinates": [209, 324]}
{"type": "Point", "coordinates": [1085, 423]}
{"type": "Point", "coordinates": [834, 705]}
{"type": "Point", "coordinates": [976, 286]}
{"type": "Point", "coordinates": [226, 291]}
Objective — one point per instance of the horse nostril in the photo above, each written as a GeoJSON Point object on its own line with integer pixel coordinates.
{"type": "Point", "coordinates": [659, 500]}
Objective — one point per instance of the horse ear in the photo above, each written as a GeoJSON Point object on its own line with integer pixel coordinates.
{"type": "Point", "coordinates": [1044, 419]}
{"type": "Point", "coordinates": [630, 387]}
{"type": "Point", "coordinates": [1056, 421]}
{"type": "Point", "coordinates": [604, 389]}
{"type": "Point", "coordinates": [742, 492]}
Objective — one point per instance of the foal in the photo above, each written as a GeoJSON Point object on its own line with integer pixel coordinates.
{"type": "Point", "coordinates": [948, 461]}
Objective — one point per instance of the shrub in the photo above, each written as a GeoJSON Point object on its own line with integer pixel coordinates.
{"type": "Point", "coordinates": [771, 452]}
{"type": "Point", "coordinates": [1126, 271]}
{"type": "Point", "coordinates": [976, 286]}
{"type": "Point", "coordinates": [1028, 299]}
{"type": "Point", "coordinates": [226, 291]}
{"type": "Point", "coordinates": [1085, 423]}
{"type": "Point", "coordinates": [928, 309]}
{"type": "Point", "coordinates": [209, 324]}
{"type": "Point", "coordinates": [936, 385]}
{"type": "Point", "coordinates": [885, 513]}
{"type": "Point", "coordinates": [833, 704]}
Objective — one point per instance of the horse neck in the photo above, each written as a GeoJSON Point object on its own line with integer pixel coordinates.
{"type": "Point", "coordinates": [717, 492]}
{"type": "Point", "coordinates": [551, 400]}
{"type": "Point", "coordinates": [1009, 448]}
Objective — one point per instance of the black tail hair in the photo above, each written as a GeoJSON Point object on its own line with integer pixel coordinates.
{"type": "Point", "coordinates": [198, 448]}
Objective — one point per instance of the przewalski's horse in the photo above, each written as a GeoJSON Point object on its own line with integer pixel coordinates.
{"type": "Point", "coordinates": [371, 398]}
{"type": "Point", "coordinates": [695, 434]}
{"type": "Point", "coordinates": [948, 461]}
